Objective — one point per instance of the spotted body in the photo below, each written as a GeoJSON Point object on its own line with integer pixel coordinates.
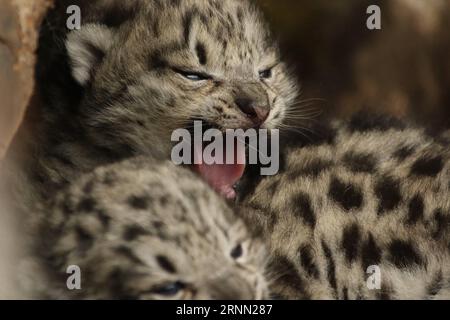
{"type": "Point", "coordinates": [352, 195]}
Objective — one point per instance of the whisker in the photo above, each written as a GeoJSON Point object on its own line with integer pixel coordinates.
{"type": "Point", "coordinates": [297, 130]}
{"type": "Point", "coordinates": [310, 100]}
{"type": "Point", "coordinates": [251, 147]}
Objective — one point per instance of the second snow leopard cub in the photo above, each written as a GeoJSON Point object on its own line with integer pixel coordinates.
{"type": "Point", "coordinates": [144, 230]}
{"type": "Point", "coordinates": [137, 70]}
{"type": "Point", "coordinates": [351, 197]}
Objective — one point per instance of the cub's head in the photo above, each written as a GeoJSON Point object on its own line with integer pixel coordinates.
{"type": "Point", "coordinates": [170, 62]}
{"type": "Point", "coordinates": [145, 231]}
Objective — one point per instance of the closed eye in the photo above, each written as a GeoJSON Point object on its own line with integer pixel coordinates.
{"type": "Point", "coordinates": [192, 75]}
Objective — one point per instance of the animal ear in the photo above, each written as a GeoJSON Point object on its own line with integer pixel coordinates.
{"type": "Point", "coordinates": [86, 49]}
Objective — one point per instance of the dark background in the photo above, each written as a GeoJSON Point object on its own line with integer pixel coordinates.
{"type": "Point", "coordinates": [402, 69]}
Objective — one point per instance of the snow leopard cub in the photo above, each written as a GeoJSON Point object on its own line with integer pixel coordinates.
{"type": "Point", "coordinates": [371, 191]}
{"type": "Point", "coordinates": [145, 230]}
{"type": "Point", "coordinates": [137, 70]}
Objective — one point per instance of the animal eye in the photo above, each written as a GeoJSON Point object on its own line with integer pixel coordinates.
{"type": "Point", "coordinates": [170, 289]}
{"type": "Point", "coordinates": [237, 251]}
{"type": "Point", "coordinates": [193, 76]}
{"type": "Point", "coordinates": [265, 74]}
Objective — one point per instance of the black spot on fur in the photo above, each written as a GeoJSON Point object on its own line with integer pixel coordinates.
{"type": "Point", "coordinates": [240, 13]}
{"type": "Point", "coordinates": [331, 267]}
{"type": "Point", "coordinates": [370, 252]}
{"type": "Point", "coordinates": [427, 166]}
{"type": "Point", "coordinates": [157, 62]}
{"type": "Point", "coordinates": [166, 264]}
{"type": "Point", "coordinates": [84, 238]}
{"type": "Point", "coordinates": [384, 293]}
{"type": "Point", "coordinates": [138, 202]}
{"type": "Point", "coordinates": [104, 218]}
{"type": "Point", "coordinates": [388, 192]}
{"type": "Point", "coordinates": [307, 261]}
{"type": "Point", "coordinates": [345, 293]}
{"type": "Point", "coordinates": [87, 204]}
{"type": "Point", "coordinates": [67, 206]}
{"type": "Point", "coordinates": [164, 200]}
{"type": "Point", "coordinates": [362, 122]}
{"type": "Point", "coordinates": [132, 232]}
{"type": "Point", "coordinates": [175, 3]}
{"type": "Point", "coordinates": [219, 109]}
{"type": "Point", "coordinates": [88, 187]}
{"type": "Point", "coordinates": [403, 254]}
{"type": "Point", "coordinates": [302, 204]}
{"type": "Point", "coordinates": [436, 285]}
{"type": "Point", "coordinates": [287, 277]}
{"type": "Point", "coordinates": [442, 222]}
{"type": "Point", "coordinates": [415, 209]}
{"type": "Point", "coordinates": [201, 53]}
{"type": "Point", "coordinates": [346, 195]}
{"type": "Point", "coordinates": [404, 152]}
{"type": "Point", "coordinates": [350, 242]}
{"type": "Point", "coordinates": [158, 225]}
{"type": "Point", "coordinates": [187, 24]}
{"type": "Point", "coordinates": [360, 162]}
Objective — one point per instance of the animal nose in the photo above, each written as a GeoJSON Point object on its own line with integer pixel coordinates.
{"type": "Point", "coordinates": [257, 114]}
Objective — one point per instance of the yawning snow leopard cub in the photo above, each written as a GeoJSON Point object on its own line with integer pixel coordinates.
{"type": "Point", "coordinates": [141, 230]}
{"type": "Point", "coordinates": [137, 70]}
{"type": "Point", "coordinates": [351, 195]}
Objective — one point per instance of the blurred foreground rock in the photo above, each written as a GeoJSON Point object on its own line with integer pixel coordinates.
{"type": "Point", "coordinates": [19, 22]}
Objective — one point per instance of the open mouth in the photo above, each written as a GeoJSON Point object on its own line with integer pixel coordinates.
{"type": "Point", "coordinates": [221, 175]}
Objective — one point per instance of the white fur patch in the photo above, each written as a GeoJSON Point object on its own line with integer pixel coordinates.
{"type": "Point", "coordinates": [81, 45]}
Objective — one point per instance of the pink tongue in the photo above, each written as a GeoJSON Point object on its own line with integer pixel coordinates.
{"type": "Point", "coordinates": [222, 177]}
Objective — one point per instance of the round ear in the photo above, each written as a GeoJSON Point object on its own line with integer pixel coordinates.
{"type": "Point", "coordinates": [86, 48]}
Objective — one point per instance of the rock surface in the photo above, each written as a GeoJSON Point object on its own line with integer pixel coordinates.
{"type": "Point", "coordinates": [19, 23]}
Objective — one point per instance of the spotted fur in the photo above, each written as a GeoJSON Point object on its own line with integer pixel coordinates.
{"type": "Point", "coordinates": [142, 230]}
{"type": "Point", "coordinates": [369, 191]}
